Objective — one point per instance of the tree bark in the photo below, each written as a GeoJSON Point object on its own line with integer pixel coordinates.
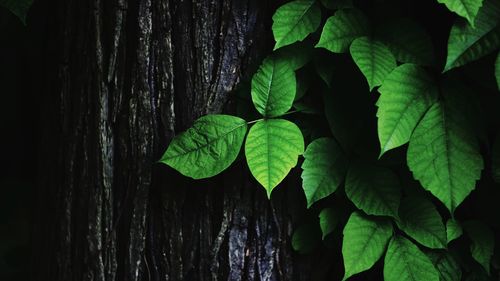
{"type": "Point", "coordinates": [124, 77]}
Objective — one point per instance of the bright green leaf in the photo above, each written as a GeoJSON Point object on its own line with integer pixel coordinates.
{"type": "Point", "coordinates": [405, 262]}
{"type": "Point", "coordinates": [422, 222]}
{"type": "Point", "coordinates": [373, 59]}
{"type": "Point", "coordinates": [273, 87]}
{"type": "Point", "coordinates": [464, 8]}
{"type": "Point", "coordinates": [272, 148]}
{"type": "Point", "coordinates": [306, 238]}
{"type": "Point", "coordinates": [406, 95]}
{"type": "Point", "coordinates": [328, 221]}
{"type": "Point", "coordinates": [408, 41]}
{"type": "Point", "coordinates": [467, 43]}
{"type": "Point", "coordinates": [208, 147]}
{"type": "Point", "coordinates": [444, 153]}
{"type": "Point", "coordinates": [446, 265]}
{"type": "Point", "coordinates": [373, 189]}
{"type": "Point", "coordinates": [483, 242]}
{"type": "Point", "coordinates": [324, 169]}
{"type": "Point", "coordinates": [364, 243]}
{"type": "Point", "coordinates": [453, 230]}
{"type": "Point", "coordinates": [341, 29]}
{"type": "Point", "coordinates": [19, 8]}
{"type": "Point", "coordinates": [293, 21]}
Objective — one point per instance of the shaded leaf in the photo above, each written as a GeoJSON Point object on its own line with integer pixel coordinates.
{"type": "Point", "coordinates": [444, 154]}
{"type": "Point", "coordinates": [496, 159]}
{"type": "Point", "coordinates": [467, 43]}
{"type": "Point", "coordinates": [405, 96]}
{"type": "Point", "coordinates": [328, 221]}
{"type": "Point", "coordinates": [408, 41]}
{"type": "Point", "coordinates": [483, 242]}
{"type": "Point", "coordinates": [364, 243]}
{"type": "Point", "coordinates": [341, 29]}
{"type": "Point", "coordinates": [465, 8]}
{"type": "Point", "coordinates": [422, 222]}
{"type": "Point", "coordinates": [453, 230]}
{"type": "Point", "coordinates": [324, 169]}
{"type": "Point", "coordinates": [293, 21]}
{"type": "Point", "coordinates": [373, 189]}
{"type": "Point", "coordinates": [497, 70]}
{"type": "Point", "coordinates": [273, 87]}
{"type": "Point", "coordinates": [405, 262]}
{"type": "Point", "coordinates": [446, 265]}
{"type": "Point", "coordinates": [208, 147]}
{"type": "Point", "coordinates": [337, 4]}
{"type": "Point", "coordinates": [272, 148]}
{"type": "Point", "coordinates": [306, 238]}
{"type": "Point", "coordinates": [374, 60]}
{"type": "Point", "coordinates": [19, 8]}
{"type": "Point", "coordinates": [296, 55]}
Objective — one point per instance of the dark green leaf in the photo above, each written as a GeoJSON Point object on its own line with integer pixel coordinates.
{"type": "Point", "coordinates": [422, 222]}
{"type": "Point", "coordinates": [328, 221]}
{"type": "Point", "coordinates": [19, 8]}
{"type": "Point", "coordinates": [405, 262]}
{"type": "Point", "coordinates": [453, 230]}
{"type": "Point", "coordinates": [483, 242]}
{"type": "Point", "coordinates": [306, 238]}
{"type": "Point", "coordinates": [448, 268]}
{"type": "Point", "coordinates": [465, 8]}
{"type": "Point", "coordinates": [467, 43]}
{"type": "Point", "coordinates": [373, 189]}
{"type": "Point", "coordinates": [324, 169]}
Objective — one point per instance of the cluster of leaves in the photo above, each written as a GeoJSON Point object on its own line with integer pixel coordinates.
{"type": "Point", "coordinates": [430, 129]}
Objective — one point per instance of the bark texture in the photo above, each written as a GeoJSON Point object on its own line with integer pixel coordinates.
{"type": "Point", "coordinates": [124, 77]}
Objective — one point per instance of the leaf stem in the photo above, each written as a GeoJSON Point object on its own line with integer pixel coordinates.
{"type": "Point", "coordinates": [261, 119]}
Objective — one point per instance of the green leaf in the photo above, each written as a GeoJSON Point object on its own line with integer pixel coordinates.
{"type": "Point", "coordinates": [496, 159]}
{"type": "Point", "coordinates": [453, 230]}
{"type": "Point", "coordinates": [408, 41]}
{"type": "Point", "coordinates": [293, 21]}
{"type": "Point", "coordinates": [328, 221]}
{"type": "Point", "coordinates": [19, 8]}
{"type": "Point", "coordinates": [208, 147]}
{"type": "Point", "coordinates": [405, 262]}
{"type": "Point", "coordinates": [273, 87]}
{"type": "Point", "coordinates": [497, 70]}
{"type": "Point", "coordinates": [483, 242]}
{"type": "Point", "coordinates": [324, 169]}
{"type": "Point", "coordinates": [422, 222]}
{"type": "Point", "coordinates": [446, 265]}
{"type": "Point", "coordinates": [405, 96]}
{"type": "Point", "coordinates": [341, 29]}
{"type": "Point", "coordinates": [467, 43]}
{"type": "Point", "coordinates": [464, 8]}
{"type": "Point", "coordinates": [373, 189]}
{"type": "Point", "coordinates": [272, 149]}
{"type": "Point", "coordinates": [364, 243]}
{"type": "Point", "coordinates": [306, 238]}
{"type": "Point", "coordinates": [374, 60]}
{"type": "Point", "coordinates": [296, 55]}
{"type": "Point", "coordinates": [444, 154]}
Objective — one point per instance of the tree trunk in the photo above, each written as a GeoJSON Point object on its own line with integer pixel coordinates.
{"type": "Point", "coordinates": [124, 76]}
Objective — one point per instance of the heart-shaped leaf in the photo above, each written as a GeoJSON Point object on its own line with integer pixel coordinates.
{"type": "Point", "coordinates": [272, 148]}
